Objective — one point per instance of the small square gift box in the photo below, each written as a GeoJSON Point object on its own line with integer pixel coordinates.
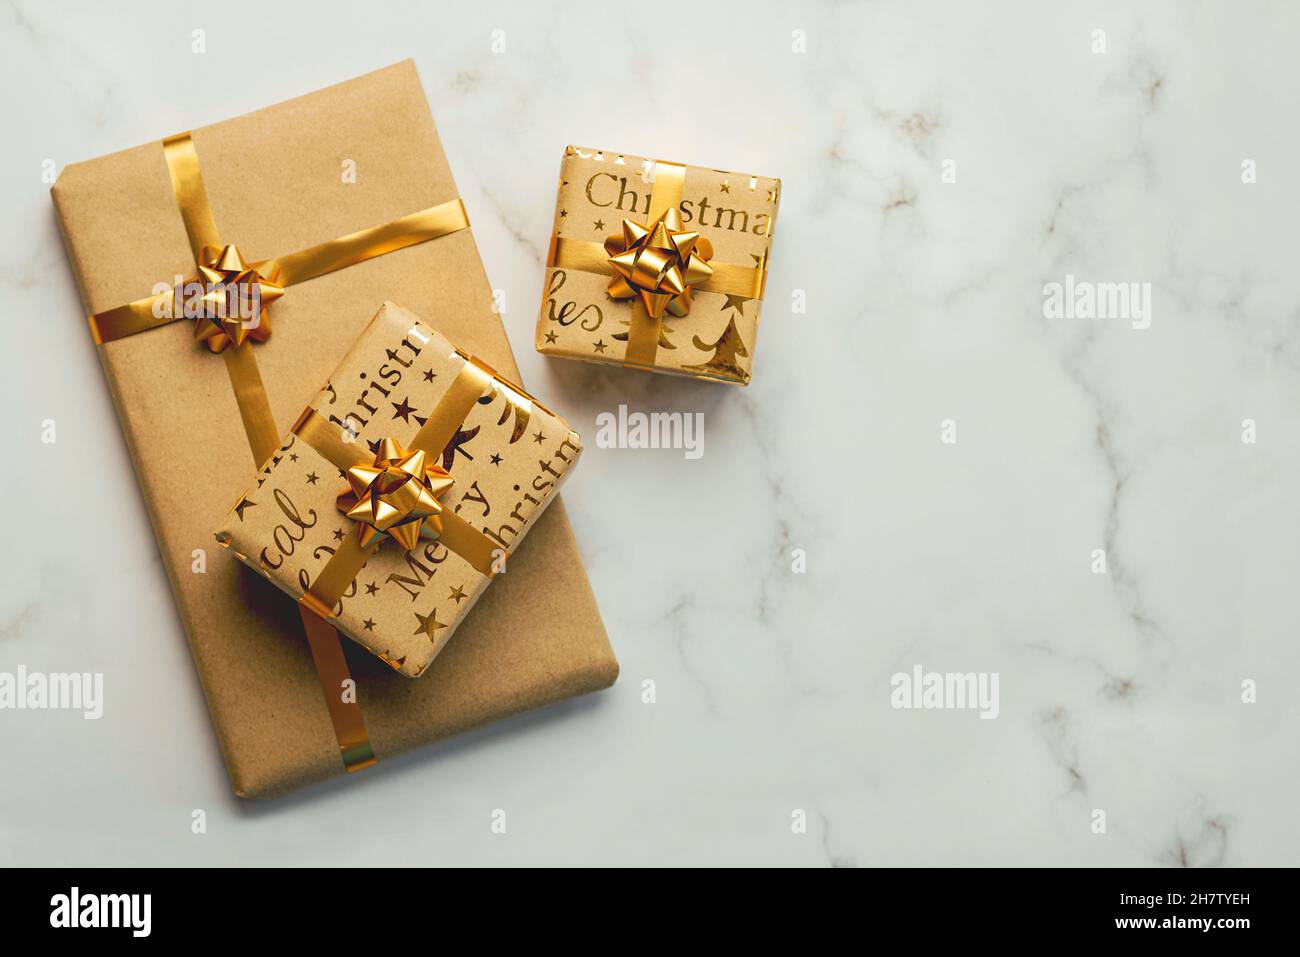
{"type": "Point", "coordinates": [657, 266]}
{"type": "Point", "coordinates": [401, 491]}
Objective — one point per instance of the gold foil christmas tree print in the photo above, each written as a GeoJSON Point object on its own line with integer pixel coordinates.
{"type": "Point", "coordinates": [726, 350]}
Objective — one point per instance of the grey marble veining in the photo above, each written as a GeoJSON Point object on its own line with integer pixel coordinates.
{"type": "Point", "coordinates": [941, 164]}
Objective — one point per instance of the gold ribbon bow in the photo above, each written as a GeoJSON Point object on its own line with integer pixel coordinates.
{"type": "Point", "coordinates": [280, 273]}
{"type": "Point", "coordinates": [220, 264]}
{"type": "Point", "coordinates": [230, 284]}
{"type": "Point", "coordinates": [387, 493]}
{"type": "Point", "coordinates": [652, 267]}
{"type": "Point", "coordinates": [398, 496]}
{"type": "Point", "coordinates": [659, 263]}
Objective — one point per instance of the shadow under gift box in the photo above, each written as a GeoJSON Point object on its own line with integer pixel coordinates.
{"type": "Point", "coordinates": [505, 456]}
{"type": "Point", "coordinates": [274, 182]}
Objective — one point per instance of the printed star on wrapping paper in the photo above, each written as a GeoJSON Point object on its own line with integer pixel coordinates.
{"type": "Point", "coordinates": [396, 497]}
{"type": "Point", "coordinates": [428, 624]}
{"type": "Point", "coordinates": [403, 410]}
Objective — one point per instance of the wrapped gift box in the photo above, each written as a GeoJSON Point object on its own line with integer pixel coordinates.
{"type": "Point", "coordinates": [657, 266]}
{"type": "Point", "coordinates": [421, 538]}
{"type": "Point", "coordinates": [287, 178]}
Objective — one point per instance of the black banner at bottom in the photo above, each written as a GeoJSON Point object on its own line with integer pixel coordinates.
{"type": "Point", "coordinates": [1161, 906]}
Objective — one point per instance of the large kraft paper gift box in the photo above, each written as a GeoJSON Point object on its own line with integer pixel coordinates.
{"type": "Point", "coordinates": [360, 156]}
{"type": "Point", "coordinates": [657, 266]}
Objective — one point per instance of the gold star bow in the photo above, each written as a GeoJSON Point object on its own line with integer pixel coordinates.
{"type": "Point", "coordinates": [659, 262]}
{"type": "Point", "coordinates": [397, 496]}
{"type": "Point", "coordinates": [228, 283]}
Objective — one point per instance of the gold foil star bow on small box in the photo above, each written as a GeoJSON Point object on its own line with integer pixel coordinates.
{"type": "Point", "coordinates": [659, 264]}
{"type": "Point", "coordinates": [398, 496]}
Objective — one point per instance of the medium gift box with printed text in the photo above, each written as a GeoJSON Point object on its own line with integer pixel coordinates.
{"type": "Point", "coordinates": [657, 266]}
{"type": "Point", "coordinates": [401, 490]}
{"type": "Point", "coordinates": [315, 211]}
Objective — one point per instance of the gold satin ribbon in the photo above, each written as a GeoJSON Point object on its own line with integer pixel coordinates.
{"type": "Point", "coordinates": [191, 194]}
{"type": "Point", "coordinates": [332, 668]}
{"type": "Point", "coordinates": [432, 223]}
{"type": "Point", "coordinates": [201, 228]}
{"type": "Point", "coordinates": [644, 331]}
{"type": "Point", "coordinates": [439, 429]}
{"type": "Point", "coordinates": [246, 381]}
{"type": "Point", "coordinates": [250, 397]}
{"type": "Point", "coordinates": [727, 278]}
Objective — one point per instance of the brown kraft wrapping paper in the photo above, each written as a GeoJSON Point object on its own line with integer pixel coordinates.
{"type": "Point", "coordinates": [274, 182]}
{"type": "Point", "coordinates": [735, 212]}
{"type": "Point", "coordinates": [507, 459]}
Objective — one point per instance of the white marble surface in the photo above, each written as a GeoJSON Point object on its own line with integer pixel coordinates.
{"type": "Point", "coordinates": [1119, 691]}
